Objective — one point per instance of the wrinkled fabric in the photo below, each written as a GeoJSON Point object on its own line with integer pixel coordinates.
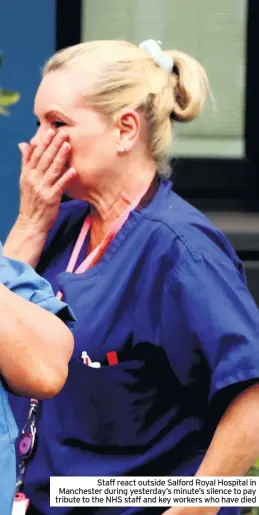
{"type": "Point", "coordinates": [169, 296]}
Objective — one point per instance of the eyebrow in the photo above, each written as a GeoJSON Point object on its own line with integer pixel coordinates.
{"type": "Point", "coordinates": [56, 112]}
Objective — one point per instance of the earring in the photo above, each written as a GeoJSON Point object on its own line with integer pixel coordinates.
{"type": "Point", "coordinates": [122, 150]}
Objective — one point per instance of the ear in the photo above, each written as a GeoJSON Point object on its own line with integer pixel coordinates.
{"type": "Point", "coordinates": [128, 127]}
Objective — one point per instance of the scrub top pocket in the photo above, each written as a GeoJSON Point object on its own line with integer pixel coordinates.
{"type": "Point", "coordinates": [105, 399]}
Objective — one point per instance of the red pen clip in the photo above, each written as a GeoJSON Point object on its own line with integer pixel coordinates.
{"type": "Point", "coordinates": [112, 358]}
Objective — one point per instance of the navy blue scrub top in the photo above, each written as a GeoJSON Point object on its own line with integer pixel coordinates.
{"type": "Point", "coordinates": [170, 297]}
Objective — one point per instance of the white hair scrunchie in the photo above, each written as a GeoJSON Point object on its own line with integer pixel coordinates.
{"type": "Point", "coordinates": [153, 48]}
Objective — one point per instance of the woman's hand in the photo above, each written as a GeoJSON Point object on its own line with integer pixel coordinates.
{"type": "Point", "coordinates": [44, 179]}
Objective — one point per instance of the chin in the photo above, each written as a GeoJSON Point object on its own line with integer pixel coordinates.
{"type": "Point", "coordinates": [71, 194]}
{"type": "Point", "coordinates": [73, 189]}
{"type": "Point", "coordinates": [74, 193]}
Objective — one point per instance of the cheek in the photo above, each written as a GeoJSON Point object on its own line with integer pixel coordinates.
{"type": "Point", "coordinates": [78, 150]}
{"type": "Point", "coordinates": [91, 152]}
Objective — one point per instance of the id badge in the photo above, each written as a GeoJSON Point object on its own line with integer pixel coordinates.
{"type": "Point", "coordinates": [20, 504]}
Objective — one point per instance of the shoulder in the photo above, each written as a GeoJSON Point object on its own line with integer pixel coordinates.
{"type": "Point", "coordinates": [190, 235]}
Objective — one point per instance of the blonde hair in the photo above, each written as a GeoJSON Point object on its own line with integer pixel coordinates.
{"type": "Point", "coordinates": [124, 75]}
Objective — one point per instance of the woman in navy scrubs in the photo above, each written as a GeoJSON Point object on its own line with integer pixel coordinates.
{"type": "Point", "coordinates": [163, 379]}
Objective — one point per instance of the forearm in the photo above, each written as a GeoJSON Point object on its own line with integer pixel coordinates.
{"type": "Point", "coordinates": [235, 444]}
{"type": "Point", "coordinates": [35, 347]}
{"type": "Point", "coordinates": [234, 447]}
{"type": "Point", "coordinates": [25, 243]}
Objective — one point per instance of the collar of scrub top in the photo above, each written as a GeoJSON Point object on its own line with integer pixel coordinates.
{"type": "Point", "coordinates": [97, 253]}
{"type": "Point", "coordinates": [154, 50]}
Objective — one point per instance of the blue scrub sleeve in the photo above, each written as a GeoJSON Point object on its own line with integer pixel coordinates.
{"type": "Point", "coordinates": [216, 316]}
{"type": "Point", "coordinates": [25, 282]}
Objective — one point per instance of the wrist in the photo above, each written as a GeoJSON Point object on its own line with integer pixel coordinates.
{"type": "Point", "coordinates": [25, 242]}
{"type": "Point", "coordinates": [24, 225]}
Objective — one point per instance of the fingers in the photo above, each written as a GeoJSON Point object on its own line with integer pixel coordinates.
{"type": "Point", "coordinates": [40, 147]}
{"type": "Point", "coordinates": [50, 150]}
{"type": "Point", "coordinates": [61, 185]}
{"type": "Point", "coordinates": [47, 157]}
{"type": "Point", "coordinates": [58, 165]}
{"type": "Point", "coordinates": [26, 152]}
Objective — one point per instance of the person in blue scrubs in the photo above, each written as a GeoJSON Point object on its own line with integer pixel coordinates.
{"type": "Point", "coordinates": [163, 380]}
{"type": "Point", "coordinates": [23, 368]}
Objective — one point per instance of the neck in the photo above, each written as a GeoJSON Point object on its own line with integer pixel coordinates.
{"type": "Point", "coordinates": [112, 199]}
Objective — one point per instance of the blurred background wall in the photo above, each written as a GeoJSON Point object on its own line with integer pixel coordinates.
{"type": "Point", "coordinates": [27, 39]}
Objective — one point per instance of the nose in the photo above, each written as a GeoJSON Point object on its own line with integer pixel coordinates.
{"type": "Point", "coordinates": [37, 136]}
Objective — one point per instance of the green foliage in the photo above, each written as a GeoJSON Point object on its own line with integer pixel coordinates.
{"type": "Point", "coordinates": [7, 97]}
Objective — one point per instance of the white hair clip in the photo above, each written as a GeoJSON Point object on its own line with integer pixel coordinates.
{"type": "Point", "coordinates": [153, 48]}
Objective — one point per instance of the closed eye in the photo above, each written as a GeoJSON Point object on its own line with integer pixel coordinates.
{"type": "Point", "coordinates": [57, 124]}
